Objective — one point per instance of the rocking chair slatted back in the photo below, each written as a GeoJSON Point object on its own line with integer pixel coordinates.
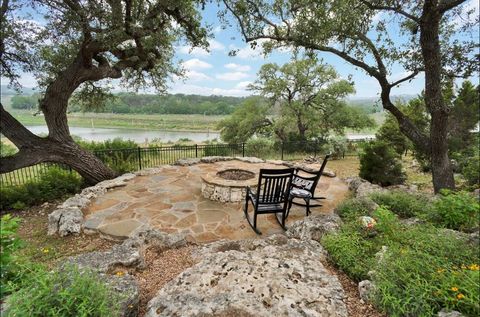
{"type": "Point", "coordinates": [273, 185]}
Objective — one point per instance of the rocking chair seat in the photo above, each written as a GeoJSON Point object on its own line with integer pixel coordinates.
{"type": "Point", "coordinates": [300, 193]}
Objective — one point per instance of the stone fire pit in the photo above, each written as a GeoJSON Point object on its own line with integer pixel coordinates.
{"type": "Point", "coordinates": [228, 185]}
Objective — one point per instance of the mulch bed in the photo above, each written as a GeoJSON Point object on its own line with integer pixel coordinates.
{"type": "Point", "coordinates": [161, 269]}
{"type": "Point", "coordinates": [355, 306]}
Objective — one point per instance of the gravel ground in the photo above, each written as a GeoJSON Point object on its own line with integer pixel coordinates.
{"type": "Point", "coordinates": [161, 268]}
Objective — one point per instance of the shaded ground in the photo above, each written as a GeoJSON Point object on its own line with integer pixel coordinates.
{"type": "Point", "coordinates": [48, 250]}
{"type": "Point", "coordinates": [172, 202]}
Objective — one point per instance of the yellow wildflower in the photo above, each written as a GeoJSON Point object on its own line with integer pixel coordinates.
{"type": "Point", "coordinates": [474, 267]}
{"type": "Point", "coordinates": [45, 250]}
{"type": "Point", "coordinates": [460, 296]}
{"type": "Point", "coordinates": [119, 273]}
{"type": "Point", "coordinates": [455, 289]}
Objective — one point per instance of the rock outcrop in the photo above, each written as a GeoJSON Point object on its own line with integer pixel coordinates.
{"type": "Point", "coordinates": [68, 217]}
{"type": "Point", "coordinates": [277, 276]}
{"type": "Point", "coordinates": [314, 227]}
{"type": "Point", "coordinates": [129, 254]}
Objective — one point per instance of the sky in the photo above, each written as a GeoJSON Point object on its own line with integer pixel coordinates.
{"type": "Point", "coordinates": [214, 72]}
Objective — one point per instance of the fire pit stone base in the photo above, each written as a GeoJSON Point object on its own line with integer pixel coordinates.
{"type": "Point", "coordinates": [216, 187]}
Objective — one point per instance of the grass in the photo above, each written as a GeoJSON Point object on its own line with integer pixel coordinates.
{"type": "Point", "coordinates": [167, 122]}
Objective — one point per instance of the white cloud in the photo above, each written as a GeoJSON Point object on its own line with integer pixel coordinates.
{"type": "Point", "coordinates": [247, 52]}
{"type": "Point", "coordinates": [237, 67]}
{"type": "Point", "coordinates": [196, 76]}
{"type": "Point", "coordinates": [243, 85]}
{"type": "Point", "coordinates": [208, 91]}
{"type": "Point", "coordinates": [232, 76]}
{"type": "Point", "coordinates": [213, 46]}
{"type": "Point", "coordinates": [216, 45]}
{"type": "Point", "coordinates": [195, 63]}
{"type": "Point", "coordinates": [217, 29]}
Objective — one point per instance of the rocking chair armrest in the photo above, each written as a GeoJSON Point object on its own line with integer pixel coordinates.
{"type": "Point", "coordinates": [250, 191]}
{"type": "Point", "coordinates": [304, 170]}
{"type": "Point", "coordinates": [307, 178]}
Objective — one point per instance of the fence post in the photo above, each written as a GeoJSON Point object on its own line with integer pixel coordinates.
{"type": "Point", "coordinates": [282, 150]}
{"type": "Point", "coordinates": [196, 150]}
{"type": "Point", "coordinates": [243, 149]}
{"type": "Point", "coordinates": [139, 153]}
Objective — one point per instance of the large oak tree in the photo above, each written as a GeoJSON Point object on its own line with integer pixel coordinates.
{"type": "Point", "coordinates": [429, 36]}
{"type": "Point", "coordinates": [76, 45]}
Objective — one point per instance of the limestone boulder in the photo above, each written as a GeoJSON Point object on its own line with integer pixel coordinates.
{"type": "Point", "coordinates": [65, 221]}
{"type": "Point", "coordinates": [329, 173]}
{"type": "Point", "coordinates": [362, 188]}
{"type": "Point", "coordinates": [213, 159]}
{"type": "Point", "coordinates": [449, 313]}
{"type": "Point", "coordinates": [314, 227]}
{"type": "Point", "coordinates": [116, 182]}
{"type": "Point", "coordinates": [79, 201]}
{"type": "Point", "coordinates": [187, 162]}
{"type": "Point", "coordinates": [127, 287]}
{"type": "Point", "coordinates": [151, 171]}
{"type": "Point", "coordinates": [251, 159]}
{"type": "Point", "coordinates": [365, 290]}
{"type": "Point", "coordinates": [277, 276]}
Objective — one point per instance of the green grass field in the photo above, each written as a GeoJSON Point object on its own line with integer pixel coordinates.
{"type": "Point", "coordinates": [129, 121]}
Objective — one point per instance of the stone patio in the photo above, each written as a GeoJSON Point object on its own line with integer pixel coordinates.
{"type": "Point", "coordinates": [171, 201]}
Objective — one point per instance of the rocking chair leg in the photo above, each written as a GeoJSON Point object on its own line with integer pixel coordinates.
{"type": "Point", "coordinates": [307, 202]}
{"type": "Point", "coordinates": [290, 201]}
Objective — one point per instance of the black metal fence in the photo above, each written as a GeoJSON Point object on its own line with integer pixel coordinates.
{"type": "Point", "coordinates": [132, 159]}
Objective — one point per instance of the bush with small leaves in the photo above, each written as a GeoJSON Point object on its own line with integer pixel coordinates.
{"type": "Point", "coordinates": [9, 243]}
{"type": "Point", "coordinates": [403, 204]}
{"type": "Point", "coordinates": [69, 292]}
{"type": "Point", "coordinates": [456, 210]}
{"type": "Point", "coordinates": [53, 184]}
{"type": "Point", "coordinates": [380, 164]}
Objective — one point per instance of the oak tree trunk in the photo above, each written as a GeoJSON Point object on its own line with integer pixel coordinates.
{"type": "Point", "coordinates": [442, 171]}
{"type": "Point", "coordinates": [58, 146]}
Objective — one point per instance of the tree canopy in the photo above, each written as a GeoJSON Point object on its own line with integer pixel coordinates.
{"type": "Point", "coordinates": [429, 36]}
{"type": "Point", "coordinates": [80, 45]}
{"type": "Point", "coordinates": [306, 100]}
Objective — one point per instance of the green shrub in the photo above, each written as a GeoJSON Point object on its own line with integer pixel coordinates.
{"type": "Point", "coordinates": [66, 293]}
{"type": "Point", "coordinates": [260, 147]}
{"type": "Point", "coordinates": [353, 208]}
{"type": "Point", "coordinates": [455, 210]}
{"type": "Point", "coordinates": [380, 164]}
{"type": "Point", "coordinates": [9, 243]}
{"type": "Point", "coordinates": [337, 146]}
{"type": "Point", "coordinates": [425, 270]}
{"type": "Point", "coordinates": [111, 144]}
{"type": "Point", "coordinates": [350, 251]}
{"type": "Point", "coordinates": [220, 150]}
{"type": "Point", "coordinates": [53, 184]}
{"type": "Point", "coordinates": [471, 169]}
{"type": "Point", "coordinates": [403, 204]}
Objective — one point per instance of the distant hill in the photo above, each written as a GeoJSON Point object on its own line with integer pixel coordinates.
{"type": "Point", "coordinates": [6, 91]}
{"type": "Point", "coordinates": [373, 104]}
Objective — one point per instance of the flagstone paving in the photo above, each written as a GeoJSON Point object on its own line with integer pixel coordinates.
{"type": "Point", "coordinates": [172, 202]}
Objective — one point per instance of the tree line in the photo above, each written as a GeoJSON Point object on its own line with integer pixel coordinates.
{"type": "Point", "coordinates": [145, 104]}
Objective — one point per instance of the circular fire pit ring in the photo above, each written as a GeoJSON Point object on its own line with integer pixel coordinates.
{"type": "Point", "coordinates": [236, 174]}
{"type": "Point", "coordinates": [228, 185]}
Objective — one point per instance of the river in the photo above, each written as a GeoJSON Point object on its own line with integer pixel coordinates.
{"type": "Point", "coordinates": [145, 136]}
{"type": "Point", "coordinates": [139, 136]}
